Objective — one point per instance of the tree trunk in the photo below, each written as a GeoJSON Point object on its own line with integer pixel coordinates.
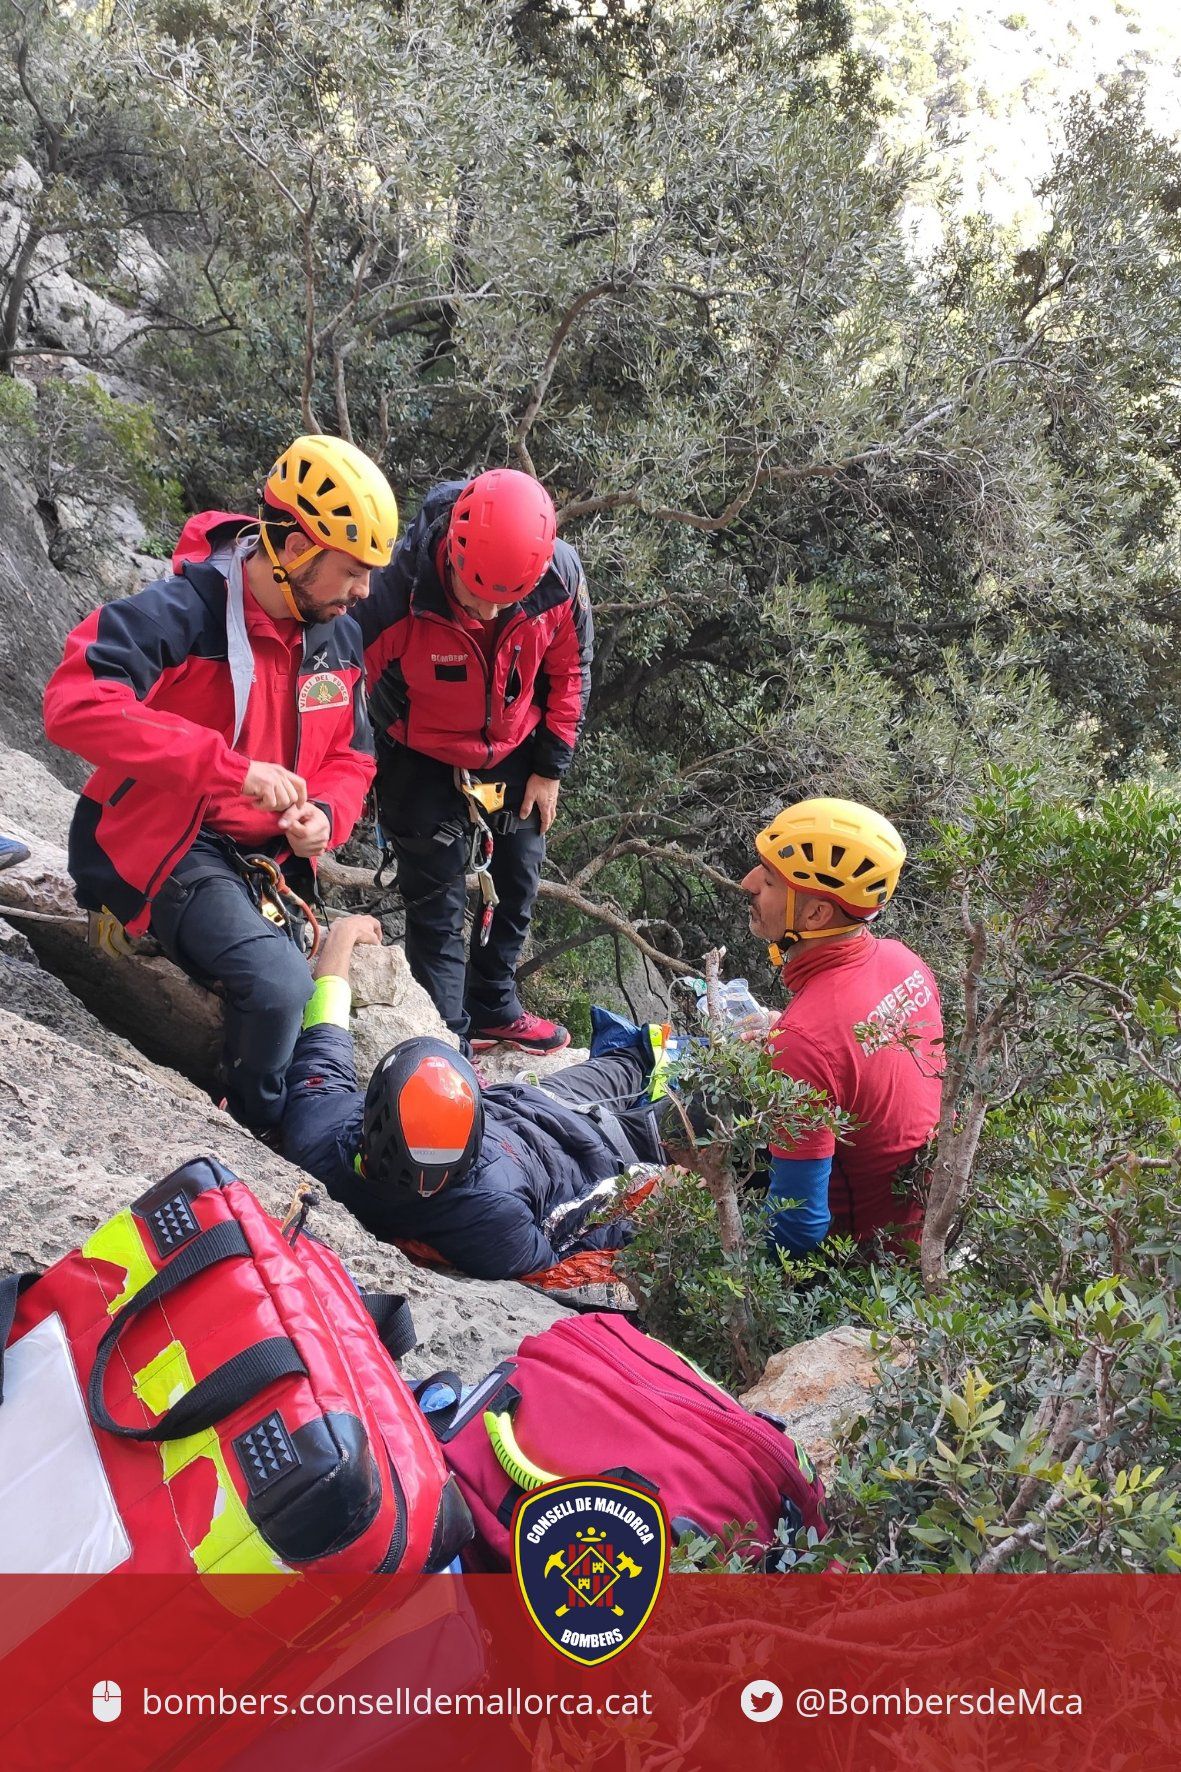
{"type": "Point", "coordinates": [713, 1161]}
{"type": "Point", "coordinates": [18, 283]}
{"type": "Point", "coordinates": [951, 1178]}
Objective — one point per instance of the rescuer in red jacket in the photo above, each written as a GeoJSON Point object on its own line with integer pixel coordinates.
{"type": "Point", "coordinates": [478, 645]}
{"type": "Point", "coordinates": [863, 1027]}
{"type": "Point", "coordinates": [224, 710]}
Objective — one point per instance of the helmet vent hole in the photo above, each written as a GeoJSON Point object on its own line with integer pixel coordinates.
{"type": "Point", "coordinates": [302, 473]}
{"type": "Point", "coordinates": [305, 504]}
{"type": "Point", "coordinates": [801, 874]}
{"type": "Point", "coordinates": [829, 880]}
{"type": "Point", "coordinates": [327, 485]}
{"type": "Point", "coordinates": [806, 851]}
{"type": "Point", "coordinates": [838, 854]}
{"type": "Point", "coordinates": [863, 867]}
{"type": "Point", "coordinates": [342, 510]}
{"type": "Point", "coordinates": [323, 527]}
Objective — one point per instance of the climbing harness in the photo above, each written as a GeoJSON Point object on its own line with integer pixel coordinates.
{"type": "Point", "coordinates": [278, 902]}
{"type": "Point", "coordinates": [485, 799]}
{"type": "Point", "coordinates": [385, 874]}
{"type": "Point", "coordinates": [485, 804]}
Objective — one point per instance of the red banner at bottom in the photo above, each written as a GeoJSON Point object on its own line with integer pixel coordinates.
{"type": "Point", "coordinates": [133, 1672]}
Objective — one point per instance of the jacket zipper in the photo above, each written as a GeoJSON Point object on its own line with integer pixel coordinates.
{"type": "Point", "coordinates": [177, 848]}
{"type": "Point", "coordinates": [513, 670]}
{"type": "Point", "coordinates": [486, 667]}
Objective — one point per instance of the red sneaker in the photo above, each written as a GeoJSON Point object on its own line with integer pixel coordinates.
{"type": "Point", "coordinates": [529, 1032]}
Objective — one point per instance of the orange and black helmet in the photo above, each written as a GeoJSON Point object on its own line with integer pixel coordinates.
{"type": "Point", "coordinates": [424, 1117]}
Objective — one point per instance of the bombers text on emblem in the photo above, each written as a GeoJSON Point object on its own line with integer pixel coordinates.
{"type": "Point", "coordinates": [589, 1555]}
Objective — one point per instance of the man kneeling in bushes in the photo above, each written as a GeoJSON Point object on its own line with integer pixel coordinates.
{"type": "Point", "coordinates": [499, 1182]}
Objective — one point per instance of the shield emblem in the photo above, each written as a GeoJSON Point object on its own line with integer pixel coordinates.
{"type": "Point", "coordinates": [589, 1555]}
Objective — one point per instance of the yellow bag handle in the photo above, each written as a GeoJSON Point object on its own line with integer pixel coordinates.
{"type": "Point", "coordinates": [524, 1473]}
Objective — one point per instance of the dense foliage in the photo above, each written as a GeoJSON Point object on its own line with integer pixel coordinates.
{"type": "Point", "coordinates": [857, 518]}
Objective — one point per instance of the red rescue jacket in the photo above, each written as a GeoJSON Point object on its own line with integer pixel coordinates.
{"type": "Point", "coordinates": [152, 690]}
{"type": "Point", "coordinates": [429, 684]}
{"type": "Point", "coordinates": [864, 1027]}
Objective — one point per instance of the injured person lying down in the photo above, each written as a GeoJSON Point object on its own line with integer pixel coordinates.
{"type": "Point", "coordinates": [499, 1182]}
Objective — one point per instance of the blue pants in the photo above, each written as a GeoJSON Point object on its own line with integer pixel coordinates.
{"type": "Point", "coordinates": [206, 921]}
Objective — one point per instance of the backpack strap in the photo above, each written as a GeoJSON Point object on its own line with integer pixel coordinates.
{"type": "Point", "coordinates": [391, 1317]}
{"type": "Point", "coordinates": [223, 1390]}
{"type": "Point", "coordinates": [11, 1287]}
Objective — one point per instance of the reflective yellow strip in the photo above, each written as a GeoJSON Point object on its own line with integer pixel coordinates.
{"type": "Point", "coordinates": [657, 1081]}
{"type": "Point", "coordinates": [329, 1004]}
{"type": "Point", "coordinates": [232, 1544]}
{"type": "Point", "coordinates": [120, 1241]}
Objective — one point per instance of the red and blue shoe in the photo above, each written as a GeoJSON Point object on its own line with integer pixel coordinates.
{"type": "Point", "coordinates": [529, 1033]}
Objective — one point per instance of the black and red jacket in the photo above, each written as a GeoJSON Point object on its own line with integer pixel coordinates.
{"type": "Point", "coordinates": [429, 685]}
{"type": "Point", "coordinates": [152, 690]}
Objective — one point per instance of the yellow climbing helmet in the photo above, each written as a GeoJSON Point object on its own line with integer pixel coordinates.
{"type": "Point", "coordinates": [339, 498]}
{"type": "Point", "coordinates": [837, 849]}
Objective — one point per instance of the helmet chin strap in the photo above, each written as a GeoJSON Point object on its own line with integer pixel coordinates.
{"type": "Point", "coordinates": [791, 935]}
{"type": "Point", "coordinates": [280, 573]}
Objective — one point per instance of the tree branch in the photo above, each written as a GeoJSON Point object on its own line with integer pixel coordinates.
{"type": "Point", "coordinates": [609, 286]}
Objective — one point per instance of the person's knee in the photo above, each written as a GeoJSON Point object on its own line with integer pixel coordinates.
{"type": "Point", "coordinates": [279, 984]}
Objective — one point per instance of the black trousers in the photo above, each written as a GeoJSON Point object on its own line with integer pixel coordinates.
{"type": "Point", "coordinates": [425, 818]}
{"type": "Point", "coordinates": [616, 1081]}
{"type": "Point", "coordinates": [206, 922]}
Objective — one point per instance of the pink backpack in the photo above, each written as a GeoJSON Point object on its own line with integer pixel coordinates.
{"type": "Point", "coordinates": [595, 1396]}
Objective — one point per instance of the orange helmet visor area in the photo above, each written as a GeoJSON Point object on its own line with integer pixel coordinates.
{"type": "Point", "coordinates": [437, 1111]}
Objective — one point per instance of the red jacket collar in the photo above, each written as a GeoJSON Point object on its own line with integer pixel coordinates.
{"type": "Point", "coordinates": [811, 957]}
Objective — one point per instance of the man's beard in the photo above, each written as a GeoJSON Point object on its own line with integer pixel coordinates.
{"type": "Point", "coordinates": [303, 591]}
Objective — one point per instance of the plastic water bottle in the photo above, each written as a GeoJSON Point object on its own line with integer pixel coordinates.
{"type": "Point", "coordinates": [745, 1015]}
{"type": "Point", "coordinates": [740, 1008]}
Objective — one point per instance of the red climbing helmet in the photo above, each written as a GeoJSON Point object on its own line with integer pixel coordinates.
{"type": "Point", "coordinates": [500, 539]}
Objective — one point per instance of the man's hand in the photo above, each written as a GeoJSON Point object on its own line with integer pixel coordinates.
{"type": "Point", "coordinates": [365, 932]}
{"type": "Point", "coordinates": [541, 791]}
{"type": "Point", "coordinates": [343, 936]}
{"type": "Point", "coordinates": [274, 788]}
{"type": "Point", "coordinates": [307, 829]}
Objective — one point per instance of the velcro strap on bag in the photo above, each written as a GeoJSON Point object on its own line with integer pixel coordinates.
{"type": "Point", "coordinates": [450, 1417]}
